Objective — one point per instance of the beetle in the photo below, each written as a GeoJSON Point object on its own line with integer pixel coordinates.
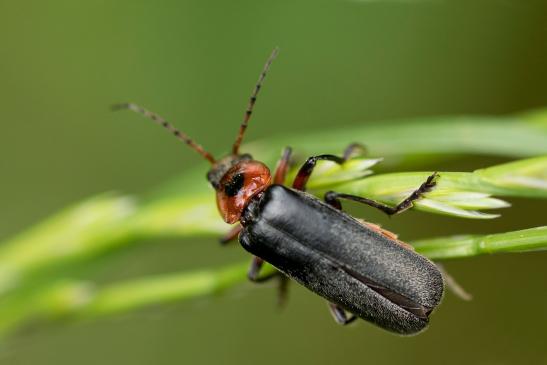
{"type": "Point", "coordinates": [360, 269]}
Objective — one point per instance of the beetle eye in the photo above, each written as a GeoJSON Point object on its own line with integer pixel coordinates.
{"type": "Point", "coordinates": [234, 185]}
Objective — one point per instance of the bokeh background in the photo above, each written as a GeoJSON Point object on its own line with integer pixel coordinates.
{"type": "Point", "coordinates": [62, 63]}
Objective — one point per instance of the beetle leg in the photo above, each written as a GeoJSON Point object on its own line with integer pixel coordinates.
{"type": "Point", "coordinates": [307, 168]}
{"type": "Point", "coordinates": [282, 290]}
{"type": "Point", "coordinates": [453, 285]}
{"type": "Point", "coordinates": [254, 271]}
{"type": "Point", "coordinates": [283, 166]}
{"type": "Point", "coordinates": [254, 276]}
{"type": "Point", "coordinates": [333, 198]}
{"type": "Point", "coordinates": [231, 235]}
{"type": "Point", "coordinates": [340, 315]}
{"type": "Point", "coordinates": [353, 150]}
{"type": "Point", "coordinates": [375, 227]}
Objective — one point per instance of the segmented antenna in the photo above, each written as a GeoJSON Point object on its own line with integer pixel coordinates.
{"type": "Point", "coordinates": [161, 121]}
{"type": "Point", "coordinates": [252, 101]}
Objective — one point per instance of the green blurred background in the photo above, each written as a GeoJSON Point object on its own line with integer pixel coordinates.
{"type": "Point", "coordinates": [342, 62]}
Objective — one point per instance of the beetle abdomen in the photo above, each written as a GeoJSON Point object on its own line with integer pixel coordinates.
{"type": "Point", "coordinates": [337, 257]}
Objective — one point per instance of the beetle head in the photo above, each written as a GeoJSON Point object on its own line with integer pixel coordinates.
{"type": "Point", "coordinates": [236, 179]}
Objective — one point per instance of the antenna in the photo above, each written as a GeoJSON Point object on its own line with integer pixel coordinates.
{"type": "Point", "coordinates": [252, 101]}
{"type": "Point", "coordinates": [161, 121]}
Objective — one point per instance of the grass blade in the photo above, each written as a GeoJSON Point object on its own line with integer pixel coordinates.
{"type": "Point", "coordinates": [79, 299]}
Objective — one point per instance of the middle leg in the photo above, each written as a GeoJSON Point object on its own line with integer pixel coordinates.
{"type": "Point", "coordinates": [307, 168]}
{"type": "Point", "coordinates": [254, 275]}
{"type": "Point", "coordinates": [333, 198]}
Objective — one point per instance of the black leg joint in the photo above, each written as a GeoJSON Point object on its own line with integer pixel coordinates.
{"type": "Point", "coordinates": [332, 200]}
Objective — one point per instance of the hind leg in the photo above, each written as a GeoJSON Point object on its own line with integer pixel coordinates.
{"type": "Point", "coordinates": [340, 315]}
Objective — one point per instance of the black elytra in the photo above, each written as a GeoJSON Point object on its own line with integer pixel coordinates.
{"type": "Point", "coordinates": [342, 260]}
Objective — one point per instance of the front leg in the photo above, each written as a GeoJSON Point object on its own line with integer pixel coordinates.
{"type": "Point", "coordinates": [231, 235]}
{"type": "Point", "coordinates": [283, 166]}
